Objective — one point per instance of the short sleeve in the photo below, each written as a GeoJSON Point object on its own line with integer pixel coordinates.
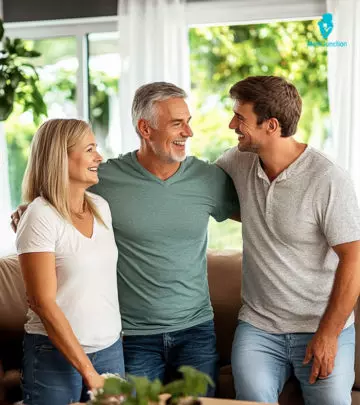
{"type": "Point", "coordinates": [225, 195]}
{"type": "Point", "coordinates": [37, 229]}
{"type": "Point", "coordinates": [337, 208]}
{"type": "Point", "coordinates": [228, 160]}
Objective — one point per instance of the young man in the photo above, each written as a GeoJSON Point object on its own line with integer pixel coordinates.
{"type": "Point", "coordinates": [301, 268]}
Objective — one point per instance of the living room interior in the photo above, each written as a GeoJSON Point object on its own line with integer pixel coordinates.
{"type": "Point", "coordinates": [94, 54]}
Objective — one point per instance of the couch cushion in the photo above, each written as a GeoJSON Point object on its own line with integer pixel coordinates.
{"type": "Point", "coordinates": [13, 304]}
{"type": "Point", "coordinates": [224, 274]}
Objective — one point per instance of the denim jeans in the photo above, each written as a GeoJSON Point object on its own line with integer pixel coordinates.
{"type": "Point", "coordinates": [160, 355]}
{"type": "Point", "coordinates": [48, 378]}
{"type": "Point", "coordinates": [262, 362]}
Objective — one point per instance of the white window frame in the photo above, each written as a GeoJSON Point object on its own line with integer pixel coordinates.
{"type": "Point", "coordinates": [210, 12]}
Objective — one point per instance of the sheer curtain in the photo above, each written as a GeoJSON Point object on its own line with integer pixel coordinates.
{"type": "Point", "coordinates": [153, 47]}
{"type": "Point", "coordinates": [344, 85]}
{"type": "Point", "coordinates": [6, 235]}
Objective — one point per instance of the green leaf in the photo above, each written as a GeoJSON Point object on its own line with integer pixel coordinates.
{"type": "Point", "coordinates": [32, 54]}
{"type": "Point", "coordinates": [155, 389]}
{"type": "Point", "coordinates": [1, 29]}
{"type": "Point", "coordinates": [175, 387]}
{"type": "Point", "coordinates": [115, 386]}
{"type": "Point", "coordinates": [8, 45]}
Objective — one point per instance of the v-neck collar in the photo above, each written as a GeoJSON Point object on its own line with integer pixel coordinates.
{"type": "Point", "coordinates": [152, 176]}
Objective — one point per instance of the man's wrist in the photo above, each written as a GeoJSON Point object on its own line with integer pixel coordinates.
{"type": "Point", "coordinates": [329, 330]}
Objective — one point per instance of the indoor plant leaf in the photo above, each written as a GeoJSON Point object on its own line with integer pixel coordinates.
{"type": "Point", "coordinates": [1, 29]}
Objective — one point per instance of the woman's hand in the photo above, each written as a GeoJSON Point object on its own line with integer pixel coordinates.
{"type": "Point", "coordinates": [93, 380]}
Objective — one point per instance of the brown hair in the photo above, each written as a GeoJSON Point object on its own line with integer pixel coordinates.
{"type": "Point", "coordinates": [272, 97]}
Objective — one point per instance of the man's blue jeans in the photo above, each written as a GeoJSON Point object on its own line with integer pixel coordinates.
{"type": "Point", "coordinates": [160, 355]}
{"type": "Point", "coordinates": [262, 362]}
{"type": "Point", "coordinates": [49, 379]}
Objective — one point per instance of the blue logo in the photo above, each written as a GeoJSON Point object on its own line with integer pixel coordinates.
{"type": "Point", "coordinates": [326, 25]}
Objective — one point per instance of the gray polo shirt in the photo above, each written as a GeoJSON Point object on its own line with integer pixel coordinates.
{"type": "Point", "coordinates": [289, 226]}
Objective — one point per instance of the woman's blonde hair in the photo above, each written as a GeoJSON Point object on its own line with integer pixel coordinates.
{"type": "Point", "coordinates": [47, 171]}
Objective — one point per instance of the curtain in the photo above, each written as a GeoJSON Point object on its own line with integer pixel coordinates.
{"type": "Point", "coordinates": [344, 85]}
{"type": "Point", "coordinates": [153, 47]}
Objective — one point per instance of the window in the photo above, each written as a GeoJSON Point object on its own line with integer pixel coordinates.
{"type": "Point", "coordinates": [104, 70]}
{"type": "Point", "coordinates": [223, 55]}
{"type": "Point", "coordinates": [57, 68]}
{"type": "Point", "coordinates": [220, 56]}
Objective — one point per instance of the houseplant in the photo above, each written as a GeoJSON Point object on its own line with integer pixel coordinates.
{"type": "Point", "coordinates": [140, 391]}
{"type": "Point", "coordinates": [18, 78]}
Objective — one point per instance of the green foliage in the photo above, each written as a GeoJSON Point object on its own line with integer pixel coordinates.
{"type": "Point", "coordinates": [194, 383]}
{"type": "Point", "coordinates": [140, 391]}
{"type": "Point", "coordinates": [221, 56]}
{"type": "Point", "coordinates": [18, 79]}
{"type": "Point", "coordinates": [113, 386]}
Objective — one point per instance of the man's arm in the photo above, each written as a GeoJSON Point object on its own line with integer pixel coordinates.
{"type": "Point", "coordinates": [236, 217]}
{"type": "Point", "coordinates": [16, 215]}
{"type": "Point", "coordinates": [345, 292]}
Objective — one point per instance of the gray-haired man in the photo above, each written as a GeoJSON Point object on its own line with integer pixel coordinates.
{"type": "Point", "coordinates": [161, 202]}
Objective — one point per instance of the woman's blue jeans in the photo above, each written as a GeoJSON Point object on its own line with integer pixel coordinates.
{"type": "Point", "coordinates": [48, 378]}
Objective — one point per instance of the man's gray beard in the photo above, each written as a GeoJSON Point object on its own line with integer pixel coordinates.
{"type": "Point", "coordinates": [170, 159]}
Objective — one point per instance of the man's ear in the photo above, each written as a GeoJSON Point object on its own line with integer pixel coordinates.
{"type": "Point", "coordinates": [144, 128]}
{"type": "Point", "coordinates": [273, 125]}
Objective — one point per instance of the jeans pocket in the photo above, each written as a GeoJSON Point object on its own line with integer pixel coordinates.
{"type": "Point", "coordinates": [45, 348]}
{"type": "Point", "coordinates": [43, 344]}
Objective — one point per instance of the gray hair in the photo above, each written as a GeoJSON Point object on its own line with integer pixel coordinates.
{"type": "Point", "coordinates": [145, 98]}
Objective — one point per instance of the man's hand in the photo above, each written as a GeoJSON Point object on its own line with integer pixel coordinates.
{"type": "Point", "coordinates": [16, 215]}
{"type": "Point", "coordinates": [323, 348]}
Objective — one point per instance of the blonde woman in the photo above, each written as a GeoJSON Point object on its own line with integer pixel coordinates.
{"type": "Point", "coordinates": [68, 257]}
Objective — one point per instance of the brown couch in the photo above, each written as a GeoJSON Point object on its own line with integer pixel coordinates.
{"type": "Point", "coordinates": [224, 270]}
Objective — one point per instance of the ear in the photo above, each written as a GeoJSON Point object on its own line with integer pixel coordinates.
{"type": "Point", "coordinates": [273, 126]}
{"type": "Point", "coordinates": [144, 128]}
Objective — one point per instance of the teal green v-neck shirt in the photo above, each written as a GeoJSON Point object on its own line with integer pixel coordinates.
{"type": "Point", "coordinates": [160, 229]}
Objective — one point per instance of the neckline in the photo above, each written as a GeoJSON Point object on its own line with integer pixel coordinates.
{"type": "Point", "coordinates": [152, 176]}
{"type": "Point", "coordinates": [286, 173]}
{"type": "Point", "coordinates": [93, 230]}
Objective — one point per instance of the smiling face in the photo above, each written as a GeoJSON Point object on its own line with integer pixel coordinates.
{"type": "Point", "coordinates": [84, 161]}
{"type": "Point", "coordinates": [251, 136]}
{"type": "Point", "coordinates": [167, 136]}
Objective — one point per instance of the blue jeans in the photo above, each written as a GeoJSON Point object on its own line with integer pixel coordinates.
{"type": "Point", "coordinates": [48, 378]}
{"type": "Point", "coordinates": [262, 362]}
{"type": "Point", "coordinates": [160, 355]}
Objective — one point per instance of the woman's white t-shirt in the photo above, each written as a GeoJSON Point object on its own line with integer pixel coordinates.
{"type": "Point", "coordinates": [85, 270]}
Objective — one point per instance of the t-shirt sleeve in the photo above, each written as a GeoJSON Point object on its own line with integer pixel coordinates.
{"type": "Point", "coordinates": [338, 209]}
{"type": "Point", "coordinates": [225, 161]}
{"type": "Point", "coordinates": [225, 195]}
{"type": "Point", "coordinates": [37, 230]}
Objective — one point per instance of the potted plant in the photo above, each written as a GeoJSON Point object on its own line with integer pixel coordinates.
{"type": "Point", "coordinates": [140, 391]}
{"type": "Point", "coordinates": [18, 78]}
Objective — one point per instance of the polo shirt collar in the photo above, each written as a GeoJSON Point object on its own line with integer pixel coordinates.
{"type": "Point", "coordinates": [285, 174]}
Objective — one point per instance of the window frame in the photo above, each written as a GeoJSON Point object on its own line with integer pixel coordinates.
{"type": "Point", "coordinates": [210, 12]}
